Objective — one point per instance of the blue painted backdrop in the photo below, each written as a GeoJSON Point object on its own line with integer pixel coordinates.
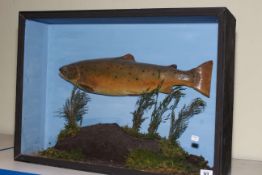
{"type": "Point", "coordinates": [187, 44]}
{"type": "Point", "coordinates": [34, 88]}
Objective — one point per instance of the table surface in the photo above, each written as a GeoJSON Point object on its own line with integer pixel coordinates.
{"type": "Point", "coordinates": [239, 167]}
{"type": "Point", "coordinates": [6, 141]}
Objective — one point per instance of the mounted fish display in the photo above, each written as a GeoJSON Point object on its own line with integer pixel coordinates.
{"type": "Point", "coordinates": [125, 92]}
{"type": "Point", "coordinates": [122, 76]}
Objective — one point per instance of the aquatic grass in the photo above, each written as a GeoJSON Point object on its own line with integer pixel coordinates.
{"type": "Point", "coordinates": [143, 104]}
{"type": "Point", "coordinates": [73, 111]}
{"type": "Point", "coordinates": [161, 111]}
{"type": "Point", "coordinates": [178, 125]}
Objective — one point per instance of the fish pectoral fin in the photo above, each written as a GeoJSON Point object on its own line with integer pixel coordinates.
{"type": "Point", "coordinates": [128, 57]}
{"type": "Point", "coordinates": [166, 90]}
{"type": "Point", "coordinates": [86, 88]}
{"type": "Point", "coordinates": [173, 66]}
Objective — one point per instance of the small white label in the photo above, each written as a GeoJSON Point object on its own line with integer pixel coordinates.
{"type": "Point", "coordinates": [206, 172]}
{"type": "Point", "coordinates": [195, 138]}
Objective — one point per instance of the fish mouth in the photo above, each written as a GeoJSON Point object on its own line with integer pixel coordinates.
{"type": "Point", "coordinates": [62, 76]}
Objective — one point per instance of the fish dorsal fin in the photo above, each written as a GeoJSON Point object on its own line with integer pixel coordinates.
{"type": "Point", "coordinates": [128, 57]}
{"type": "Point", "coordinates": [173, 66]}
{"type": "Point", "coordinates": [167, 90]}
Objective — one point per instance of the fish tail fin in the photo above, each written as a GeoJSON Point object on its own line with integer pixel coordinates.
{"type": "Point", "coordinates": [202, 80]}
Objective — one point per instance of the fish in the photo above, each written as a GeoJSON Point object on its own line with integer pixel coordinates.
{"type": "Point", "coordinates": [124, 76]}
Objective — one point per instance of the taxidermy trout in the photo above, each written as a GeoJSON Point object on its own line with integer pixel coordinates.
{"type": "Point", "coordinates": [122, 76]}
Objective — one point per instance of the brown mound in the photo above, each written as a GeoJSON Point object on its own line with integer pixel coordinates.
{"type": "Point", "coordinates": [108, 142]}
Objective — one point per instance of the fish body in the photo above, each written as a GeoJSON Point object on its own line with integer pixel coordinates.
{"type": "Point", "coordinates": [122, 76]}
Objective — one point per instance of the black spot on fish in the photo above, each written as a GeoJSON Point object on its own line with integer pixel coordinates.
{"type": "Point", "coordinates": [137, 78]}
{"type": "Point", "coordinates": [143, 70]}
{"type": "Point", "coordinates": [115, 77]}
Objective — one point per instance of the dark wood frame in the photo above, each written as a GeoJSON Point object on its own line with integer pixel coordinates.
{"type": "Point", "coordinates": [225, 81]}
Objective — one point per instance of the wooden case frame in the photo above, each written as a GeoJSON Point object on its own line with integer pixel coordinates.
{"type": "Point", "coordinates": [225, 81]}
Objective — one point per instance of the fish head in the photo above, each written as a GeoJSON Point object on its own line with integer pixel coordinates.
{"type": "Point", "coordinates": [69, 73]}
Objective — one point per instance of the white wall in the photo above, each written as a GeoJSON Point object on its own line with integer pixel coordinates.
{"type": "Point", "coordinates": [247, 142]}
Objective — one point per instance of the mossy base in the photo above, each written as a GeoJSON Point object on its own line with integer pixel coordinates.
{"type": "Point", "coordinates": [171, 160]}
{"type": "Point", "coordinates": [164, 158]}
{"type": "Point", "coordinates": [72, 155]}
